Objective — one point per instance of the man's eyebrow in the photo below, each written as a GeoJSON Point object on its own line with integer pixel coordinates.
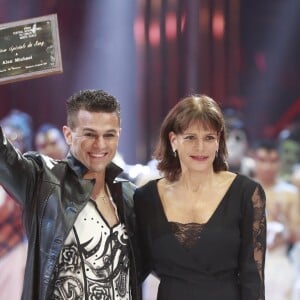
{"type": "Point", "coordinates": [88, 129]}
{"type": "Point", "coordinates": [93, 130]}
{"type": "Point", "coordinates": [111, 131]}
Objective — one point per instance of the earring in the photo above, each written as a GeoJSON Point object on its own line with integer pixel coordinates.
{"type": "Point", "coordinates": [175, 153]}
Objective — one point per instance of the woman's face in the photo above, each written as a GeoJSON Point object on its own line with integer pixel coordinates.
{"type": "Point", "coordinates": [196, 147]}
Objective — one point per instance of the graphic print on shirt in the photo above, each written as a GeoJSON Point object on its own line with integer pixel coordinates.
{"type": "Point", "coordinates": [94, 262]}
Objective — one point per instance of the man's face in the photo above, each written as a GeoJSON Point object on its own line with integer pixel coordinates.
{"type": "Point", "coordinates": [267, 164]}
{"type": "Point", "coordinates": [94, 140]}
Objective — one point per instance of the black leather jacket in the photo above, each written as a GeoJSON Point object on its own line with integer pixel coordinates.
{"type": "Point", "coordinates": [52, 194]}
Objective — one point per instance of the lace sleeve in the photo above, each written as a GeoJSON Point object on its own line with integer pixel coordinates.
{"type": "Point", "coordinates": [253, 247]}
{"type": "Point", "coordinates": [259, 230]}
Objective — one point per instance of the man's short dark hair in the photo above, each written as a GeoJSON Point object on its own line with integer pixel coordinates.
{"type": "Point", "coordinates": [266, 144]}
{"type": "Point", "coordinates": [92, 101]}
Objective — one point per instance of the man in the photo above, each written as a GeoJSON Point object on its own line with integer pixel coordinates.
{"type": "Point", "coordinates": [78, 216]}
{"type": "Point", "coordinates": [283, 219]}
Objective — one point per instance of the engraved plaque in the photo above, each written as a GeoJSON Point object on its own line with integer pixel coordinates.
{"type": "Point", "coordinates": [29, 48]}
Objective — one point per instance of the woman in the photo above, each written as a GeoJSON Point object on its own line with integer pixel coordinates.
{"type": "Point", "coordinates": [202, 228]}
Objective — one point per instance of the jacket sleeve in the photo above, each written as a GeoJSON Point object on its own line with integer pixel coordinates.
{"type": "Point", "coordinates": [141, 218]}
{"type": "Point", "coordinates": [253, 245]}
{"type": "Point", "coordinates": [16, 171]}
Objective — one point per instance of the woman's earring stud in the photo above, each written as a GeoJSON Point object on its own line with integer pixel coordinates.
{"type": "Point", "coordinates": [175, 153]}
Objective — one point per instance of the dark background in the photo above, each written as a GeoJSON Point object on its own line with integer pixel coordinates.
{"type": "Point", "coordinates": [244, 54]}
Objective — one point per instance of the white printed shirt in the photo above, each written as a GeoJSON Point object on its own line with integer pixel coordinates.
{"type": "Point", "coordinates": [94, 262]}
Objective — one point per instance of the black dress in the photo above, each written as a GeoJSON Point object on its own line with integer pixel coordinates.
{"type": "Point", "coordinates": [219, 260]}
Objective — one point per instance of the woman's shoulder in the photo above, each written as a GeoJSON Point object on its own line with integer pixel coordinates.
{"type": "Point", "coordinates": [149, 185]}
{"type": "Point", "coordinates": [247, 181]}
{"type": "Point", "coordinates": [242, 183]}
{"type": "Point", "coordinates": [250, 189]}
{"type": "Point", "coordinates": [238, 178]}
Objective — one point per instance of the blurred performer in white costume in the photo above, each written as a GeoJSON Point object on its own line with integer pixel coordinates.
{"type": "Point", "coordinates": [237, 141]}
{"type": "Point", "coordinates": [17, 126]}
{"type": "Point", "coordinates": [283, 220]}
{"type": "Point", "coordinates": [289, 146]}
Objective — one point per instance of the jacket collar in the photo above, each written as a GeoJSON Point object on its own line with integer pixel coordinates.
{"type": "Point", "coordinates": [111, 172]}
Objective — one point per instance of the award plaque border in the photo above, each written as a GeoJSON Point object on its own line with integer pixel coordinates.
{"type": "Point", "coordinates": [24, 71]}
